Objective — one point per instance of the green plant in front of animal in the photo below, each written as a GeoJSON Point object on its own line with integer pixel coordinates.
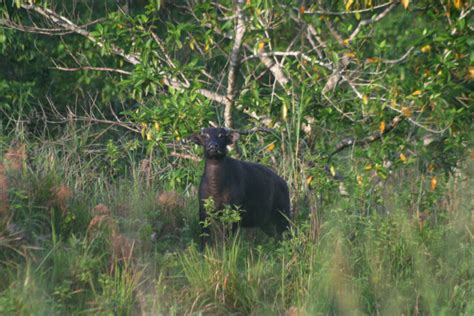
{"type": "Point", "coordinates": [221, 222]}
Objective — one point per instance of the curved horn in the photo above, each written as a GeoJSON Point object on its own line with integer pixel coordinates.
{"type": "Point", "coordinates": [227, 129]}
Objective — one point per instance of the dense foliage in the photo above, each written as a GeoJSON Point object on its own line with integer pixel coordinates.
{"type": "Point", "coordinates": [363, 106]}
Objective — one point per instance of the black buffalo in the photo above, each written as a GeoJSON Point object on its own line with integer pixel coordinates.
{"type": "Point", "coordinates": [257, 190]}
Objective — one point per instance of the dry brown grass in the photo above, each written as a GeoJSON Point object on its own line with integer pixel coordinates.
{"type": "Point", "coordinates": [4, 204]}
{"type": "Point", "coordinates": [422, 218]}
{"type": "Point", "coordinates": [15, 157]}
{"type": "Point", "coordinates": [98, 221]}
{"type": "Point", "coordinates": [61, 195]}
{"type": "Point", "coordinates": [170, 200]}
{"type": "Point", "coordinates": [341, 275]}
{"type": "Point", "coordinates": [170, 203]}
{"type": "Point", "coordinates": [121, 245]}
{"type": "Point", "coordinates": [101, 217]}
{"type": "Point", "coordinates": [100, 209]}
{"type": "Point", "coordinates": [295, 311]}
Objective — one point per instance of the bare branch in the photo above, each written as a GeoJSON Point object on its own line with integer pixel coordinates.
{"type": "Point", "coordinates": [214, 96]}
{"type": "Point", "coordinates": [32, 29]}
{"type": "Point", "coordinates": [69, 25]}
{"type": "Point", "coordinates": [43, 31]}
{"type": "Point", "coordinates": [125, 125]}
{"type": "Point", "coordinates": [234, 63]}
{"type": "Point", "coordinates": [309, 36]}
{"type": "Point", "coordinates": [60, 118]}
{"type": "Point", "coordinates": [465, 12]}
{"type": "Point", "coordinates": [325, 12]}
{"type": "Point", "coordinates": [334, 32]}
{"type": "Point", "coordinates": [331, 27]}
{"type": "Point", "coordinates": [120, 71]}
{"type": "Point", "coordinates": [399, 60]}
{"type": "Point", "coordinates": [290, 53]}
{"type": "Point", "coordinates": [336, 75]}
{"type": "Point", "coordinates": [167, 58]}
{"type": "Point", "coordinates": [133, 59]}
{"type": "Point", "coordinates": [373, 19]}
{"type": "Point", "coordinates": [349, 142]}
{"type": "Point", "coordinates": [353, 87]}
{"type": "Point", "coordinates": [255, 130]}
{"type": "Point", "coordinates": [185, 156]}
{"type": "Point", "coordinates": [274, 68]}
{"type": "Point", "coordinates": [414, 122]}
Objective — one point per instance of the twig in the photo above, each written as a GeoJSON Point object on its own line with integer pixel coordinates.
{"type": "Point", "coordinates": [168, 59]}
{"type": "Point", "coordinates": [128, 126]}
{"type": "Point", "coordinates": [399, 60]}
{"type": "Point", "coordinates": [349, 142]}
{"type": "Point", "coordinates": [414, 122]}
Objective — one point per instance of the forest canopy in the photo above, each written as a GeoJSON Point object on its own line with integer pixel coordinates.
{"type": "Point", "coordinates": [332, 69]}
{"type": "Point", "coordinates": [364, 107]}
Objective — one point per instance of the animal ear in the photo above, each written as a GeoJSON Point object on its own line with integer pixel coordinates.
{"type": "Point", "coordinates": [197, 139]}
{"type": "Point", "coordinates": [232, 136]}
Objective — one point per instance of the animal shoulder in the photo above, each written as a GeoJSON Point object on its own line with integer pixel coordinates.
{"type": "Point", "coordinates": [257, 167]}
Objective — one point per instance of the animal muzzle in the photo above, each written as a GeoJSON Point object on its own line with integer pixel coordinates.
{"type": "Point", "coordinates": [213, 150]}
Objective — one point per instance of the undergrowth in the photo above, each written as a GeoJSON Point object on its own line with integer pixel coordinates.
{"type": "Point", "coordinates": [81, 235]}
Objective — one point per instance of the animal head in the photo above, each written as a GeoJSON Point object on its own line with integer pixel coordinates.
{"type": "Point", "coordinates": [215, 141]}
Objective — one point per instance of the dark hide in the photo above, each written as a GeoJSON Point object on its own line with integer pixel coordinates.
{"type": "Point", "coordinates": [257, 190]}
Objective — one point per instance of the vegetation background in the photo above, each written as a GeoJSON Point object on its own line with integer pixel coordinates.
{"type": "Point", "coordinates": [363, 106]}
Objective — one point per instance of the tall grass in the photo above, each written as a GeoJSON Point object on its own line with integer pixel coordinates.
{"type": "Point", "coordinates": [135, 253]}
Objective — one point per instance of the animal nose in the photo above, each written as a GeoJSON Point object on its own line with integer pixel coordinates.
{"type": "Point", "coordinates": [212, 147]}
